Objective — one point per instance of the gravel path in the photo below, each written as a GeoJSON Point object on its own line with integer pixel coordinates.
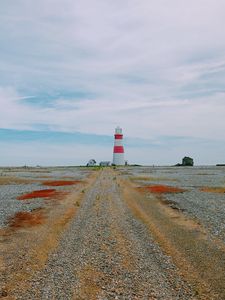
{"type": "Point", "coordinates": [106, 253]}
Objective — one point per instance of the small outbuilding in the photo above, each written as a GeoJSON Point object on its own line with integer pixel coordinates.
{"type": "Point", "coordinates": [187, 161]}
{"type": "Point", "coordinates": [91, 163]}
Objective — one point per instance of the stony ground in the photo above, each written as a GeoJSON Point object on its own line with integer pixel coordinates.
{"type": "Point", "coordinates": [120, 245]}
{"type": "Point", "coordinates": [207, 207]}
{"type": "Point", "coordinates": [18, 181]}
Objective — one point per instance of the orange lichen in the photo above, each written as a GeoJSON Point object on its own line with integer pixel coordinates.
{"type": "Point", "coordinates": [61, 182]}
{"type": "Point", "coordinates": [161, 189]}
{"type": "Point", "coordinates": [26, 219]}
{"type": "Point", "coordinates": [220, 190]}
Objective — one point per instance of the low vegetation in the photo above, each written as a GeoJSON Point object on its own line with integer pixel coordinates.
{"type": "Point", "coordinates": [26, 219]}
{"type": "Point", "coordinates": [160, 189]}
{"type": "Point", "coordinates": [219, 190]}
{"type": "Point", "coordinates": [49, 193]}
{"type": "Point", "coordinates": [14, 180]}
{"type": "Point", "coordinates": [144, 178]}
{"type": "Point", "coordinates": [61, 182]}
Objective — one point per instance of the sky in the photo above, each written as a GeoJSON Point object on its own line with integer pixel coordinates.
{"type": "Point", "coordinates": [71, 71]}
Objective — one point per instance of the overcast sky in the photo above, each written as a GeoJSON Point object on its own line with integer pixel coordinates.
{"type": "Point", "coordinates": [71, 71]}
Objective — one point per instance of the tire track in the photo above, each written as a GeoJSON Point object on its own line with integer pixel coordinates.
{"type": "Point", "coordinates": [106, 253]}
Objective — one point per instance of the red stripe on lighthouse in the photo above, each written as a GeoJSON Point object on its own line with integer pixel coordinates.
{"type": "Point", "coordinates": [118, 136]}
{"type": "Point", "coordinates": [118, 149]}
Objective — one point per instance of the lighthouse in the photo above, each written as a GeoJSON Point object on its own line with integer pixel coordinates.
{"type": "Point", "coordinates": [118, 150]}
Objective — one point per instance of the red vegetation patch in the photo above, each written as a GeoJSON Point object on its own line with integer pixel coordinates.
{"type": "Point", "coordinates": [61, 182]}
{"type": "Point", "coordinates": [161, 189]}
{"type": "Point", "coordinates": [27, 219]}
{"type": "Point", "coordinates": [38, 194]}
{"type": "Point", "coordinates": [50, 193]}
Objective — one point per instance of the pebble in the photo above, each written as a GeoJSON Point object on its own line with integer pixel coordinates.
{"type": "Point", "coordinates": [108, 248]}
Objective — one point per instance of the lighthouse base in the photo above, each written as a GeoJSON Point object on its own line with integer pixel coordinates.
{"type": "Point", "coordinates": [118, 159]}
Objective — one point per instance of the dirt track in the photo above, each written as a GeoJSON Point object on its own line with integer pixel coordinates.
{"type": "Point", "coordinates": [108, 250]}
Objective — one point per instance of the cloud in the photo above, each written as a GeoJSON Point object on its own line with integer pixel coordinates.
{"type": "Point", "coordinates": [91, 43]}
{"type": "Point", "coordinates": [155, 68]}
{"type": "Point", "coordinates": [143, 119]}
